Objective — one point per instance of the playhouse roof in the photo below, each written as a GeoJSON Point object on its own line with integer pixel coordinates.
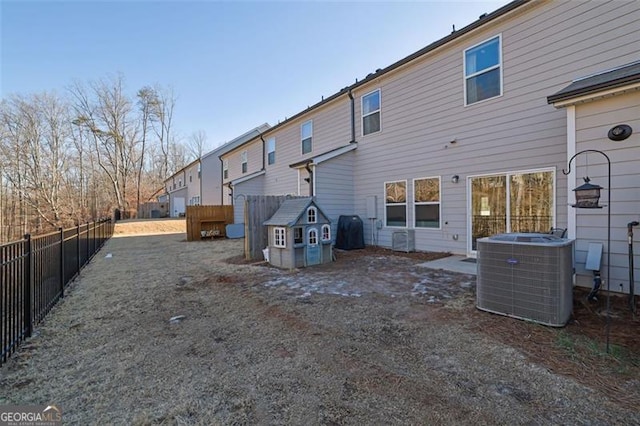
{"type": "Point", "coordinates": [290, 211]}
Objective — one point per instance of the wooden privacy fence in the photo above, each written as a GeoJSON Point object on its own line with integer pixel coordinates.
{"type": "Point", "coordinates": [34, 273]}
{"type": "Point", "coordinates": [208, 221]}
{"type": "Point", "coordinates": [257, 209]}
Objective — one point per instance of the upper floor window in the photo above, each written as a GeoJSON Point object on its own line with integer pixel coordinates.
{"type": "Point", "coordinates": [279, 237]}
{"type": "Point", "coordinates": [312, 215]}
{"type": "Point", "coordinates": [243, 161]}
{"type": "Point", "coordinates": [426, 199]}
{"type": "Point", "coordinates": [271, 150]}
{"type": "Point", "coordinates": [180, 183]}
{"type": "Point", "coordinates": [482, 71]}
{"type": "Point", "coordinates": [371, 112]}
{"type": "Point", "coordinates": [396, 203]}
{"type": "Point", "coordinates": [225, 169]}
{"type": "Point", "coordinates": [199, 171]}
{"type": "Point", "coordinates": [306, 135]}
{"type": "Point", "coordinates": [190, 178]}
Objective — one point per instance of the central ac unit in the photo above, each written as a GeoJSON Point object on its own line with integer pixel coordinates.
{"type": "Point", "coordinates": [526, 276]}
{"type": "Point", "coordinates": [403, 240]}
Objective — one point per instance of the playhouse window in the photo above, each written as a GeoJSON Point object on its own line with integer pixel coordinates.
{"type": "Point", "coordinates": [313, 237]}
{"type": "Point", "coordinates": [297, 236]}
{"type": "Point", "coordinates": [311, 215]}
{"type": "Point", "coordinates": [279, 237]}
{"type": "Point", "coordinates": [326, 233]}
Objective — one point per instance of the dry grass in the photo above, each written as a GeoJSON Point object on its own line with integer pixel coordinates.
{"type": "Point", "coordinates": [247, 353]}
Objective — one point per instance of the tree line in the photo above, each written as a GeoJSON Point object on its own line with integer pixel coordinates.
{"type": "Point", "coordinates": [74, 157]}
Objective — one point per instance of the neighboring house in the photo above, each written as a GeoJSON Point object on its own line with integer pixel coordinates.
{"type": "Point", "coordinates": [183, 189]}
{"type": "Point", "coordinates": [457, 141]}
{"type": "Point", "coordinates": [212, 190]}
{"type": "Point", "coordinates": [299, 235]}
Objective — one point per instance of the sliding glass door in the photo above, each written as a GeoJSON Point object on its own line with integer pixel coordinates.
{"type": "Point", "coordinates": [512, 202]}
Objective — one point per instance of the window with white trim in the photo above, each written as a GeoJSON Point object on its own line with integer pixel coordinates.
{"type": "Point", "coordinates": [371, 112]}
{"type": "Point", "coordinates": [426, 202]}
{"type": "Point", "coordinates": [225, 169]}
{"type": "Point", "coordinates": [313, 237]}
{"type": "Point", "coordinates": [483, 71]}
{"type": "Point", "coordinates": [243, 161]}
{"type": "Point", "coordinates": [326, 233]}
{"type": "Point", "coordinates": [279, 237]}
{"type": "Point", "coordinates": [312, 215]}
{"type": "Point", "coordinates": [395, 196]}
{"type": "Point", "coordinates": [306, 136]}
{"type": "Point", "coordinates": [271, 151]}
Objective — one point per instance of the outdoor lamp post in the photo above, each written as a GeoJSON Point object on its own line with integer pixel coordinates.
{"type": "Point", "coordinates": [588, 197]}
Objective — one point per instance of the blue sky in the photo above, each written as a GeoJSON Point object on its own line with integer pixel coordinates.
{"type": "Point", "coordinates": [232, 65]}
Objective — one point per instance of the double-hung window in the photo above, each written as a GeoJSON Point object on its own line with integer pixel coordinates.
{"type": "Point", "coordinates": [483, 71]}
{"type": "Point", "coordinates": [271, 150]}
{"type": "Point", "coordinates": [243, 161]}
{"type": "Point", "coordinates": [225, 169]}
{"type": "Point", "coordinates": [279, 237]}
{"type": "Point", "coordinates": [371, 112]}
{"type": "Point", "coordinates": [306, 135]}
{"type": "Point", "coordinates": [426, 199]}
{"type": "Point", "coordinates": [396, 203]}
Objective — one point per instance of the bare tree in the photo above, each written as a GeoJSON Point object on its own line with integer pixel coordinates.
{"type": "Point", "coordinates": [196, 144]}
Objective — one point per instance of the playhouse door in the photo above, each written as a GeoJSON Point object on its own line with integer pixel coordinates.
{"type": "Point", "coordinates": [312, 250]}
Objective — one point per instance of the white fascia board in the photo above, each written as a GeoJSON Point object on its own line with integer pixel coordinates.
{"type": "Point", "coordinates": [597, 95]}
{"type": "Point", "coordinates": [248, 177]}
{"type": "Point", "coordinates": [335, 153]}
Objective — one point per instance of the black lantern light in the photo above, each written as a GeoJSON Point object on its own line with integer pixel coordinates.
{"type": "Point", "coordinates": [587, 195]}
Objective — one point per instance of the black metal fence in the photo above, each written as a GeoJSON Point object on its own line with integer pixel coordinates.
{"type": "Point", "coordinates": [34, 273]}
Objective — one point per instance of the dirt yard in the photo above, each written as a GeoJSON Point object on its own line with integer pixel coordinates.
{"type": "Point", "coordinates": [165, 331]}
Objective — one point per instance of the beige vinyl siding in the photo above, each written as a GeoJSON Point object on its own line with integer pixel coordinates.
{"type": "Point", "coordinates": [543, 49]}
{"type": "Point", "coordinates": [334, 188]}
{"type": "Point", "coordinates": [193, 185]}
{"type": "Point", "coordinates": [593, 121]}
{"type": "Point", "coordinates": [253, 186]}
{"type": "Point", "coordinates": [254, 159]}
{"type": "Point", "coordinates": [331, 129]}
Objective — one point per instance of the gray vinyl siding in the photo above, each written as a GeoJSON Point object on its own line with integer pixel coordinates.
{"type": "Point", "coordinates": [334, 188]}
{"type": "Point", "coordinates": [544, 48]}
{"type": "Point", "coordinates": [211, 181]}
{"type": "Point", "coordinates": [593, 121]}
{"type": "Point", "coordinates": [253, 186]}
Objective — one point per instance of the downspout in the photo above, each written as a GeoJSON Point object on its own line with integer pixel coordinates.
{"type": "Point", "coordinates": [310, 171]}
{"type": "Point", "coordinates": [264, 148]}
{"type": "Point", "coordinates": [221, 180]}
{"type": "Point", "coordinates": [353, 117]}
{"type": "Point", "coordinates": [230, 192]}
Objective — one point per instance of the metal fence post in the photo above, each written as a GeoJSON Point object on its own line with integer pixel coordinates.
{"type": "Point", "coordinates": [78, 247]}
{"type": "Point", "coordinates": [28, 320]}
{"type": "Point", "coordinates": [61, 263]}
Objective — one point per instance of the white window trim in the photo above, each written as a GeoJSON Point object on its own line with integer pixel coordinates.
{"type": "Point", "coordinates": [472, 253]}
{"type": "Point", "coordinates": [427, 203]}
{"type": "Point", "coordinates": [363, 115]}
{"type": "Point", "coordinates": [309, 232]}
{"type": "Point", "coordinates": [328, 229]}
{"type": "Point", "coordinates": [269, 140]}
{"type": "Point", "coordinates": [225, 168]}
{"type": "Point", "coordinates": [406, 204]}
{"type": "Point", "coordinates": [310, 122]}
{"type": "Point", "coordinates": [315, 215]}
{"type": "Point", "coordinates": [283, 235]}
{"type": "Point", "coordinates": [500, 65]}
{"type": "Point", "coordinates": [244, 162]}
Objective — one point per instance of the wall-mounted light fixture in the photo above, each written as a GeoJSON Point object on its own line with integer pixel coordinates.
{"type": "Point", "coordinates": [455, 179]}
{"type": "Point", "coordinates": [620, 132]}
